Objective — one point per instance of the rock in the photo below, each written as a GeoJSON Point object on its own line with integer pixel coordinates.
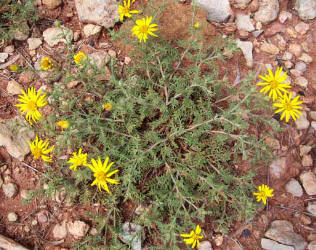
{"type": "Point", "coordinates": [301, 66]}
{"type": "Point", "coordinates": [291, 32]}
{"type": "Point", "coordinates": [313, 115]}
{"type": "Point", "coordinates": [278, 168]}
{"type": "Point", "coordinates": [313, 125]}
{"type": "Point", "coordinates": [99, 58]}
{"type": "Point", "coordinates": [76, 36]}
{"type": "Point", "coordinates": [306, 58]}
{"type": "Point", "coordinates": [34, 43]}
{"type": "Point", "coordinates": [311, 208]}
{"type": "Point", "coordinates": [273, 245]}
{"type": "Point", "coordinates": [42, 216]}
{"type": "Point", "coordinates": [14, 134]}
{"type": "Point", "coordinates": [268, 11]}
{"type": "Point", "coordinates": [205, 245]}
{"type": "Point", "coordinates": [272, 143]}
{"type": "Point", "coordinates": [307, 161]}
{"type": "Point", "coordinates": [302, 122]}
{"type": "Point", "coordinates": [287, 56]}
{"type": "Point", "coordinates": [22, 32]}
{"type": "Point", "coordinates": [10, 189]}
{"type": "Point", "coordinates": [52, 4]}
{"type": "Point", "coordinates": [12, 217]}
{"type": "Point", "coordinates": [241, 4]}
{"type": "Point", "coordinates": [311, 237]}
{"type": "Point", "coordinates": [3, 57]}
{"type": "Point", "coordinates": [312, 245]}
{"type": "Point", "coordinates": [6, 243]}
{"type": "Point", "coordinates": [305, 149]}
{"type": "Point", "coordinates": [100, 12]}
{"type": "Point", "coordinates": [257, 33]}
{"type": "Point", "coordinates": [284, 15]}
{"type": "Point", "coordinates": [78, 229]}
{"type": "Point", "coordinates": [295, 49]}
{"type": "Point", "coordinates": [112, 53]}
{"type": "Point", "coordinates": [296, 72]}
{"type": "Point", "coordinates": [72, 84]}
{"type": "Point", "coordinates": [26, 77]}
{"type": "Point", "coordinates": [91, 29]}
{"type": "Point", "coordinates": [217, 11]}
{"type": "Point", "coordinates": [1, 181]}
{"type": "Point", "coordinates": [131, 235]}
{"type": "Point", "coordinates": [246, 48]}
{"type": "Point", "coordinates": [24, 193]}
{"type": "Point", "coordinates": [274, 29]}
{"type": "Point", "coordinates": [308, 180]}
{"type": "Point", "coordinates": [269, 48]}
{"type": "Point", "coordinates": [60, 231]}
{"type": "Point", "coordinates": [302, 28]}
{"type": "Point", "coordinates": [93, 231]}
{"type": "Point", "coordinates": [218, 240]}
{"type": "Point", "coordinates": [127, 61]}
{"type": "Point", "coordinates": [55, 35]}
{"type": "Point", "coordinates": [305, 219]}
{"type": "Point", "coordinates": [254, 6]}
{"type": "Point", "coordinates": [243, 22]}
{"type": "Point", "coordinates": [14, 88]}
{"type": "Point", "coordinates": [301, 81]}
{"type": "Point", "coordinates": [288, 64]}
{"type": "Point", "coordinates": [294, 187]}
{"type": "Point", "coordinates": [282, 232]}
{"type": "Point", "coordinates": [9, 49]}
{"type": "Point", "coordinates": [282, 43]}
{"type": "Point", "coordinates": [306, 9]}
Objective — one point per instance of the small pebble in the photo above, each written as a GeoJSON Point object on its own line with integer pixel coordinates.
{"type": "Point", "coordinates": [12, 217]}
{"type": "Point", "coordinates": [301, 66]}
{"type": "Point", "coordinates": [112, 53]}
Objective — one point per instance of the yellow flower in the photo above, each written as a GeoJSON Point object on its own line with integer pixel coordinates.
{"type": "Point", "coordinates": [124, 10]}
{"type": "Point", "coordinates": [39, 149]}
{"type": "Point", "coordinates": [197, 25]}
{"type": "Point", "coordinates": [101, 173]}
{"type": "Point", "coordinates": [78, 159]}
{"type": "Point", "coordinates": [264, 193]}
{"type": "Point", "coordinates": [107, 106]}
{"type": "Point", "coordinates": [274, 83]}
{"type": "Point", "coordinates": [193, 237]}
{"type": "Point", "coordinates": [63, 124]}
{"type": "Point", "coordinates": [79, 58]}
{"type": "Point", "coordinates": [143, 28]}
{"type": "Point", "coordinates": [14, 67]}
{"type": "Point", "coordinates": [30, 103]}
{"type": "Point", "coordinates": [46, 63]}
{"type": "Point", "coordinates": [289, 107]}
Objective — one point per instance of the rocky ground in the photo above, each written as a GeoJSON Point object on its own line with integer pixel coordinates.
{"type": "Point", "coordinates": [270, 33]}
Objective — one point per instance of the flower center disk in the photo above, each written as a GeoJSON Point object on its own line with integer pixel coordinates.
{"type": "Point", "coordinates": [37, 153]}
{"type": "Point", "coordinates": [31, 106]}
{"type": "Point", "coordinates": [100, 176]}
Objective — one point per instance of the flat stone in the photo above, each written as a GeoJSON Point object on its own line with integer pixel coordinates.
{"type": "Point", "coordinates": [282, 232]}
{"type": "Point", "coordinates": [34, 43]}
{"type": "Point", "coordinates": [312, 245]}
{"type": "Point", "coordinates": [217, 11]}
{"type": "Point", "coordinates": [100, 12]}
{"type": "Point", "coordinates": [243, 22]}
{"type": "Point", "coordinates": [205, 245]}
{"type": "Point", "coordinates": [60, 231]}
{"type": "Point", "coordinates": [91, 29]}
{"type": "Point", "coordinates": [302, 28]}
{"type": "Point", "coordinates": [308, 180]}
{"type": "Point", "coordinates": [295, 49]}
{"type": "Point", "coordinates": [131, 234]}
{"type": "Point", "coordinates": [278, 168]}
{"type": "Point", "coordinates": [311, 208]}
{"type": "Point", "coordinates": [287, 56]}
{"type": "Point", "coordinates": [52, 4]}
{"type": "Point", "coordinates": [246, 48]}
{"type": "Point", "coordinates": [275, 28]}
{"type": "Point", "coordinates": [14, 88]}
{"type": "Point", "coordinates": [78, 229]}
{"type": "Point", "coordinates": [3, 57]}
{"type": "Point", "coordinates": [268, 11]}
{"type": "Point", "coordinates": [301, 81]}
{"type": "Point", "coordinates": [269, 48]}
{"type": "Point", "coordinates": [306, 9]}
{"type": "Point", "coordinates": [14, 134]}
{"type": "Point", "coordinates": [294, 187]}
{"type": "Point", "coordinates": [306, 58]}
{"type": "Point", "coordinates": [302, 122]}
{"type": "Point", "coordinates": [12, 217]}
{"type": "Point", "coordinates": [284, 15]}
{"type": "Point", "coordinates": [10, 189]}
{"type": "Point", "coordinates": [99, 58]}
{"type": "Point", "coordinates": [273, 245]}
{"type": "Point", "coordinates": [301, 66]}
{"type": "Point", "coordinates": [55, 35]}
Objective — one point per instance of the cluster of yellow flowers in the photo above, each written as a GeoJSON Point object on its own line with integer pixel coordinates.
{"type": "Point", "coordinates": [276, 87]}
{"type": "Point", "coordinates": [143, 27]}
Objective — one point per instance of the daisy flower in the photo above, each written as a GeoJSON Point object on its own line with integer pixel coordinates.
{"type": "Point", "coordinates": [274, 84]}
{"type": "Point", "coordinates": [124, 10]}
{"type": "Point", "coordinates": [102, 174]}
{"type": "Point", "coordinates": [14, 67]}
{"type": "Point", "coordinates": [46, 63]}
{"type": "Point", "coordinates": [79, 58]}
{"type": "Point", "coordinates": [193, 238]}
{"type": "Point", "coordinates": [143, 28]}
{"type": "Point", "coordinates": [39, 149]}
{"type": "Point", "coordinates": [264, 193]}
{"type": "Point", "coordinates": [77, 159]}
{"type": "Point", "coordinates": [63, 124]}
{"type": "Point", "coordinates": [107, 106]}
{"type": "Point", "coordinates": [289, 107]}
{"type": "Point", "coordinates": [30, 102]}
